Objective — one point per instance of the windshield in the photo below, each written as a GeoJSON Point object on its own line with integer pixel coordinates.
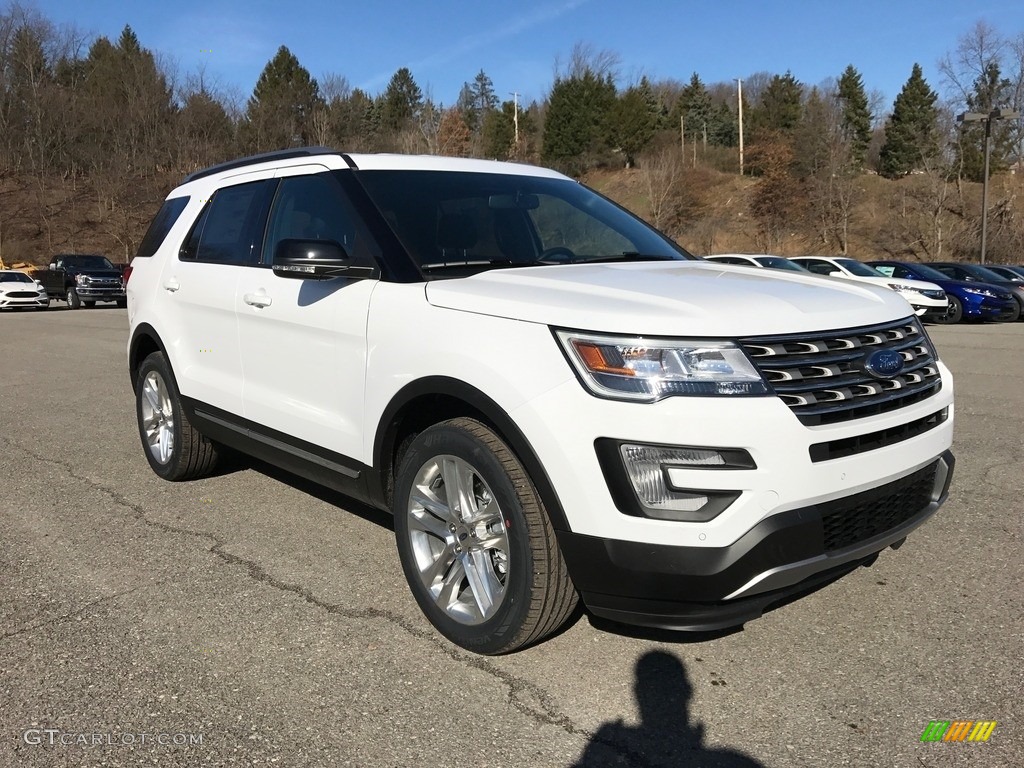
{"type": "Point", "coordinates": [480, 221]}
{"type": "Point", "coordinates": [984, 273]}
{"type": "Point", "coordinates": [776, 262]}
{"type": "Point", "coordinates": [859, 269]}
{"type": "Point", "coordinates": [14, 277]}
{"type": "Point", "coordinates": [88, 262]}
{"type": "Point", "coordinates": [929, 273]}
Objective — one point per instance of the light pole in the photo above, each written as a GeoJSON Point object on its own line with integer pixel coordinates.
{"type": "Point", "coordinates": [987, 118]}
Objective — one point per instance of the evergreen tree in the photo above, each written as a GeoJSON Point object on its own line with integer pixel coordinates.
{"type": "Point", "coordinates": [280, 110]}
{"type": "Point", "coordinates": [781, 105]}
{"type": "Point", "coordinates": [576, 128]}
{"type": "Point", "coordinates": [695, 108]}
{"type": "Point", "coordinates": [911, 135]}
{"type": "Point", "coordinates": [991, 91]}
{"type": "Point", "coordinates": [476, 101]}
{"type": "Point", "coordinates": [856, 114]}
{"type": "Point", "coordinates": [401, 102]}
{"type": "Point", "coordinates": [634, 119]}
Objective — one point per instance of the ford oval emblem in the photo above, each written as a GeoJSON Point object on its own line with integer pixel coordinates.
{"type": "Point", "coordinates": [884, 363]}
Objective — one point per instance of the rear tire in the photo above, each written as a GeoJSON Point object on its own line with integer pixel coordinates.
{"type": "Point", "coordinates": [174, 448]}
{"type": "Point", "coordinates": [72, 298]}
{"type": "Point", "coordinates": [476, 543]}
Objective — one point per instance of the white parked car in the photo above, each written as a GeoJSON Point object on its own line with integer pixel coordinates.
{"type": "Point", "coordinates": [927, 299]}
{"type": "Point", "coordinates": [19, 290]}
{"type": "Point", "coordinates": [556, 402]}
{"type": "Point", "coordinates": [765, 261]}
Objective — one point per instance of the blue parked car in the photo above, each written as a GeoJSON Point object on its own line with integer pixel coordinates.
{"type": "Point", "coordinates": [968, 300]}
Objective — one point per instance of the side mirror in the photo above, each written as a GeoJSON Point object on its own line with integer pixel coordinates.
{"type": "Point", "coordinates": [315, 260]}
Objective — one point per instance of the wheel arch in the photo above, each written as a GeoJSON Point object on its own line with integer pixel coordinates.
{"type": "Point", "coordinates": [145, 341]}
{"type": "Point", "coordinates": [424, 402]}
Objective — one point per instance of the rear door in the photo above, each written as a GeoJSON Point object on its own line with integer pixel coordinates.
{"type": "Point", "coordinates": [197, 291]}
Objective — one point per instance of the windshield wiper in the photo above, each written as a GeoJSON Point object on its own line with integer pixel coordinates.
{"type": "Point", "coordinates": [437, 265]}
{"type": "Point", "coordinates": [624, 256]}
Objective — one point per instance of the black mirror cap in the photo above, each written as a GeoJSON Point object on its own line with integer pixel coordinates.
{"type": "Point", "coordinates": [316, 260]}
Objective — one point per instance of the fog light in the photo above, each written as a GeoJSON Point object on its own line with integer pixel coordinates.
{"type": "Point", "coordinates": [646, 467]}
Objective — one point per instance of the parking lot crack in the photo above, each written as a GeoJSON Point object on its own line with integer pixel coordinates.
{"type": "Point", "coordinates": [526, 697]}
{"type": "Point", "coordinates": [68, 616]}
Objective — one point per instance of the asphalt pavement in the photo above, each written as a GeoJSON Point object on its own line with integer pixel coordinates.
{"type": "Point", "coordinates": [253, 619]}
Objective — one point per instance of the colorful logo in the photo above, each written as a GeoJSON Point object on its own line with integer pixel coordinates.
{"type": "Point", "coordinates": [958, 730]}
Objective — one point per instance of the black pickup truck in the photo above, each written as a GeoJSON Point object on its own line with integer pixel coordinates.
{"type": "Point", "coordinates": [83, 279]}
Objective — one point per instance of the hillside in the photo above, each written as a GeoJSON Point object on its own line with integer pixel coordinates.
{"type": "Point", "coordinates": [707, 211]}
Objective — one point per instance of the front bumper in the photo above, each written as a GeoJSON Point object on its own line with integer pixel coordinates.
{"type": "Point", "coordinates": [786, 554]}
{"type": "Point", "coordinates": [35, 301]}
{"type": "Point", "coordinates": [87, 293]}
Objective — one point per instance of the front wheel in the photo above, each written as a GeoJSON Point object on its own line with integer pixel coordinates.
{"type": "Point", "coordinates": [175, 449]}
{"type": "Point", "coordinates": [476, 543]}
{"type": "Point", "coordinates": [955, 311]}
{"type": "Point", "coordinates": [74, 302]}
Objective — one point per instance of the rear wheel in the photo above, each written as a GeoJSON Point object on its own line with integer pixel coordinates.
{"type": "Point", "coordinates": [72, 298]}
{"type": "Point", "coordinates": [475, 541]}
{"type": "Point", "coordinates": [174, 448]}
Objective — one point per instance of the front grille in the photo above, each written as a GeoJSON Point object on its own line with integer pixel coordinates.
{"type": "Point", "coordinates": [865, 515]}
{"type": "Point", "coordinates": [821, 376]}
{"type": "Point", "coordinates": [22, 295]}
{"type": "Point", "coordinates": [850, 446]}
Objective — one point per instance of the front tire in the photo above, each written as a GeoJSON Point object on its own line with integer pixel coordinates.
{"type": "Point", "coordinates": [174, 448]}
{"type": "Point", "coordinates": [74, 302]}
{"type": "Point", "coordinates": [476, 543]}
{"type": "Point", "coordinates": [955, 312]}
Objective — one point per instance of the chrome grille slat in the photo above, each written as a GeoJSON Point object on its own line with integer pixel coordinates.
{"type": "Point", "coordinates": [821, 375]}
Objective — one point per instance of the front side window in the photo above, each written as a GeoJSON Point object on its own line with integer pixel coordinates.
{"type": "Point", "coordinates": [477, 221]}
{"type": "Point", "coordinates": [227, 230]}
{"type": "Point", "coordinates": [313, 207]}
{"type": "Point", "coordinates": [819, 267]}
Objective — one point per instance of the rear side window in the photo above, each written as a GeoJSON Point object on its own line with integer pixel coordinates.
{"type": "Point", "coordinates": [165, 218]}
{"type": "Point", "coordinates": [229, 229]}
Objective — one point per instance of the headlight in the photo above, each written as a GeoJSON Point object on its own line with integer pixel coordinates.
{"type": "Point", "coordinates": [646, 370]}
{"type": "Point", "coordinates": [902, 288]}
{"type": "Point", "coordinates": [980, 292]}
{"type": "Point", "coordinates": [82, 279]}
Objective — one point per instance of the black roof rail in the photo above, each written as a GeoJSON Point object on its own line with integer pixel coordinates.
{"type": "Point", "coordinates": [281, 154]}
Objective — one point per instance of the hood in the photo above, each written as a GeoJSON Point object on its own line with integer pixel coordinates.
{"type": "Point", "coordinates": [670, 299]}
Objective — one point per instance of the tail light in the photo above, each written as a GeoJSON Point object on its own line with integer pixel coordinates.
{"type": "Point", "coordinates": [125, 275]}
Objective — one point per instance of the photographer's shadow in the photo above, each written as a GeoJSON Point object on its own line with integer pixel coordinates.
{"type": "Point", "coordinates": [665, 735]}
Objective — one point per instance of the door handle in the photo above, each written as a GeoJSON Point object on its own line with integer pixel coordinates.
{"type": "Point", "coordinates": [172, 285]}
{"type": "Point", "coordinates": [257, 299]}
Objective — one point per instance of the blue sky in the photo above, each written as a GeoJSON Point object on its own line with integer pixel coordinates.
{"type": "Point", "coordinates": [445, 42]}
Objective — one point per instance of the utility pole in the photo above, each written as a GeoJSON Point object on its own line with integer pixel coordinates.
{"type": "Point", "coordinates": [682, 138]}
{"type": "Point", "coordinates": [515, 114]}
{"type": "Point", "coordinates": [739, 102]}
{"type": "Point", "coordinates": [987, 118]}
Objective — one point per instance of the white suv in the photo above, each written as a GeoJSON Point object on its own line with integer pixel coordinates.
{"type": "Point", "coordinates": [555, 401]}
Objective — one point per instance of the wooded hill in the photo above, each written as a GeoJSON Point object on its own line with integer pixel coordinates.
{"type": "Point", "coordinates": [90, 143]}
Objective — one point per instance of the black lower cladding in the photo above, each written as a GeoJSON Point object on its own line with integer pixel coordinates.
{"type": "Point", "coordinates": [684, 587]}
